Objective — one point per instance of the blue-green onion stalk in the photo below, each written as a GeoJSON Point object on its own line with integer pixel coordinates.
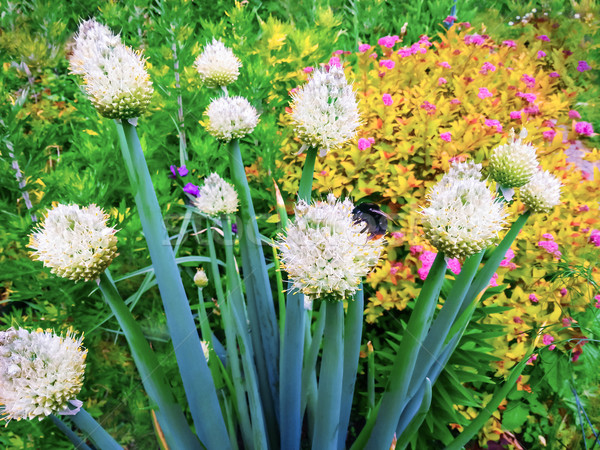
{"type": "Point", "coordinates": [197, 381]}
{"type": "Point", "coordinates": [261, 310]}
{"type": "Point", "coordinates": [292, 347]}
{"type": "Point", "coordinates": [93, 430]}
{"type": "Point", "coordinates": [237, 308]}
{"type": "Point", "coordinates": [169, 414]}
{"type": "Point", "coordinates": [396, 391]}
{"type": "Point", "coordinates": [77, 442]}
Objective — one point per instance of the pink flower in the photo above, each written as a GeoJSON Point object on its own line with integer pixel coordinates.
{"type": "Point", "coordinates": [455, 101]}
{"type": "Point", "coordinates": [494, 280]}
{"type": "Point", "coordinates": [595, 238]}
{"type": "Point", "coordinates": [574, 114]}
{"type": "Point", "coordinates": [387, 63]}
{"type": "Point", "coordinates": [487, 66]}
{"type": "Point", "coordinates": [388, 41]}
{"type": "Point", "coordinates": [532, 109]}
{"type": "Point", "coordinates": [529, 97]}
{"type": "Point", "coordinates": [447, 136]}
{"type": "Point", "coordinates": [549, 246]}
{"type": "Point", "coordinates": [533, 298]}
{"type": "Point", "coordinates": [576, 354]}
{"type": "Point", "coordinates": [554, 75]}
{"type": "Point", "coordinates": [427, 259]}
{"type": "Point", "coordinates": [547, 339]}
{"type": "Point", "coordinates": [474, 39]}
{"type": "Point", "coordinates": [584, 128]}
{"type": "Point", "coordinates": [405, 52]}
{"type": "Point", "coordinates": [548, 236]}
{"type": "Point", "coordinates": [465, 24]}
{"type": "Point", "coordinates": [364, 48]}
{"type": "Point", "coordinates": [541, 54]}
{"type": "Point", "coordinates": [597, 298]}
{"type": "Point", "coordinates": [549, 135]}
{"type": "Point", "coordinates": [514, 115]}
{"type": "Point", "coordinates": [528, 80]}
{"type": "Point", "coordinates": [444, 64]}
{"type": "Point", "coordinates": [373, 55]}
{"type": "Point", "coordinates": [454, 266]}
{"type": "Point", "coordinates": [441, 81]}
{"type": "Point", "coordinates": [450, 19]}
{"type": "Point", "coordinates": [582, 66]}
{"type": "Point", "coordinates": [324, 172]}
{"type": "Point", "coordinates": [429, 107]}
{"type": "Point", "coordinates": [484, 93]}
{"type": "Point", "coordinates": [363, 144]}
{"type": "Point", "coordinates": [552, 347]}
{"type": "Point", "coordinates": [507, 261]}
{"type": "Point", "coordinates": [563, 292]}
{"type": "Point", "coordinates": [583, 208]}
{"type": "Point", "coordinates": [338, 52]}
{"type": "Point", "coordinates": [509, 43]}
{"type": "Point", "coordinates": [494, 123]}
{"type": "Point", "coordinates": [308, 69]}
{"type": "Point", "coordinates": [567, 321]}
{"type": "Point", "coordinates": [517, 319]}
{"type": "Point", "coordinates": [543, 37]}
{"type": "Point", "coordinates": [531, 359]}
{"type": "Point", "coordinates": [397, 235]}
{"type": "Point", "coordinates": [414, 249]}
{"type": "Point", "coordinates": [335, 62]}
{"type": "Point", "coordinates": [387, 100]}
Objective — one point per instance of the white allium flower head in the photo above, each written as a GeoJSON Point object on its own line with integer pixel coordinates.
{"type": "Point", "coordinates": [542, 193]}
{"type": "Point", "coordinates": [75, 242]}
{"type": "Point", "coordinates": [217, 65]}
{"type": "Point", "coordinates": [462, 170]}
{"type": "Point", "coordinates": [230, 118]}
{"type": "Point", "coordinates": [325, 251]}
{"type": "Point", "coordinates": [463, 217]}
{"type": "Point", "coordinates": [200, 279]}
{"type": "Point", "coordinates": [513, 164]}
{"type": "Point", "coordinates": [216, 197]}
{"type": "Point", "coordinates": [40, 373]}
{"type": "Point", "coordinates": [325, 111]}
{"type": "Point", "coordinates": [115, 76]}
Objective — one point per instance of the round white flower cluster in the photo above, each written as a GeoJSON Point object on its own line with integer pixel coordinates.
{"type": "Point", "coordinates": [326, 251]}
{"type": "Point", "coordinates": [217, 65]}
{"type": "Point", "coordinates": [216, 197]}
{"type": "Point", "coordinates": [513, 164]}
{"type": "Point", "coordinates": [230, 118]}
{"type": "Point", "coordinates": [325, 111]}
{"type": "Point", "coordinates": [40, 373]}
{"type": "Point", "coordinates": [75, 242]}
{"type": "Point", "coordinates": [115, 76]}
{"type": "Point", "coordinates": [542, 193]}
{"type": "Point", "coordinates": [463, 217]}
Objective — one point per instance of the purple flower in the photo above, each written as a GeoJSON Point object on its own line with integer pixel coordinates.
{"type": "Point", "coordinates": [574, 114]}
{"type": "Point", "coordinates": [541, 54]}
{"type": "Point", "coordinates": [191, 189]}
{"type": "Point", "coordinates": [509, 43]}
{"type": "Point", "coordinates": [484, 93]}
{"type": "Point", "coordinates": [582, 66]}
{"type": "Point", "coordinates": [554, 75]}
{"type": "Point", "coordinates": [533, 298]}
{"type": "Point", "coordinates": [584, 128]}
{"type": "Point", "coordinates": [441, 81]}
{"type": "Point", "coordinates": [487, 67]}
{"type": "Point", "coordinates": [528, 80]}
{"type": "Point", "coordinates": [388, 41]}
{"type": "Point", "coordinates": [543, 37]}
{"type": "Point", "coordinates": [234, 228]}
{"type": "Point", "coordinates": [446, 136]}
{"type": "Point", "coordinates": [444, 64]}
{"type": "Point", "coordinates": [549, 135]}
{"type": "Point", "coordinates": [595, 239]}
{"type": "Point", "coordinates": [387, 100]}
{"type": "Point", "coordinates": [515, 115]}
{"type": "Point", "coordinates": [527, 96]}
{"type": "Point", "coordinates": [429, 107]}
{"type": "Point", "coordinates": [364, 48]}
{"type": "Point", "coordinates": [474, 39]}
{"type": "Point", "coordinates": [387, 63]}
{"type": "Point", "coordinates": [494, 123]}
{"type": "Point", "coordinates": [181, 171]}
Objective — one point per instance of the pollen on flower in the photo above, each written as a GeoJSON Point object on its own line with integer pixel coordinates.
{"type": "Point", "coordinates": [217, 65]}
{"type": "Point", "coordinates": [230, 118]}
{"type": "Point", "coordinates": [216, 197]}
{"type": "Point", "coordinates": [115, 76]}
{"type": "Point", "coordinates": [463, 217]}
{"type": "Point", "coordinates": [75, 242]}
{"type": "Point", "coordinates": [40, 373]}
{"type": "Point", "coordinates": [326, 251]}
{"type": "Point", "coordinates": [325, 111]}
{"type": "Point", "coordinates": [513, 164]}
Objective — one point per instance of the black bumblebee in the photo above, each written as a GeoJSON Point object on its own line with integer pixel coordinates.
{"type": "Point", "coordinates": [374, 219]}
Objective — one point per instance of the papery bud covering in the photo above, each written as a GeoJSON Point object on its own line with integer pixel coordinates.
{"type": "Point", "coordinates": [326, 251]}
{"type": "Point", "coordinates": [40, 373]}
{"type": "Point", "coordinates": [115, 76]}
{"type": "Point", "coordinates": [216, 197]}
{"type": "Point", "coordinates": [542, 193]}
{"type": "Point", "coordinates": [230, 118]}
{"type": "Point", "coordinates": [75, 242]}
{"type": "Point", "coordinates": [200, 279]}
{"type": "Point", "coordinates": [325, 111]}
{"type": "Point", "coordinates": [513, 164]}
{"type": "Point", "coordinates": [217, 65]}
{"type": "Point", "coordinates": [463, 217]}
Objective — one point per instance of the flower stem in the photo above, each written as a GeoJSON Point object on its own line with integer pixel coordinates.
{"type": "Point", "coordinates": [169, 414]}
{"type": "Point", "coordinates": [352, 338]}
{"type": "Point", "coordinates": [94, 431]}
{"type": "Point", "coordinates": [330, 389]}
{"type": "Point", "coordinates": [70, 434]}
{"type": "Point", "coordinates": [197, 381]}
{"type": "Point", "coordinates": [395, 397]}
